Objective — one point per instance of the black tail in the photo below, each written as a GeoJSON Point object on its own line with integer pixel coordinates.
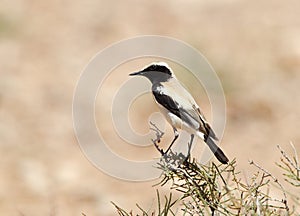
{"type": "Point", "coordinates": [217, 151]}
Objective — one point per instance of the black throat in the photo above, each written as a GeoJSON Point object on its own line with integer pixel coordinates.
{"type": "Point", "coordinates": [157, 77]}
{"type": "Point", "coordinates": [157, 73]}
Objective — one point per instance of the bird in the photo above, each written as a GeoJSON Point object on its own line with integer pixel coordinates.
{"type": "Point", "coordinates": [179, 107]}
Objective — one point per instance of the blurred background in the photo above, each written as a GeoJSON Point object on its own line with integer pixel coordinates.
{"type": "Point", "coordinates": [254, 46]}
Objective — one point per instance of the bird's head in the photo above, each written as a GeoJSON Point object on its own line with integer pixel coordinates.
{"type": "Point", "coordinates": [156, 72]}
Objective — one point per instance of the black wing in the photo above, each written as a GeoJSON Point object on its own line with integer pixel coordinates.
{"type": "Point", "coordinates": [198, 122]}
{"type": "Point", "coordinates": [167, 102]}
{"type": "Point", "coordinates": [174, 107]}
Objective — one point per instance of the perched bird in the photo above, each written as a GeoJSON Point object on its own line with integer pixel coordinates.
{"type": "Point", "coordinates": [179, 107]}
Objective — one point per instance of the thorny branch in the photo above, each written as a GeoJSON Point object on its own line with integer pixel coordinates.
{"type": "Point", "coordinates": [159, 134]}
{"type": "Point", "coordinates": [290, 166]}
{"type": "Point", "coordinates": [268, 174]}
{"type": "Point", "coordinates": [171, 160]}
{"type": "Point", "coordinates": [295, 163]}
{"type": "Point", "coordinates": [204, 190]}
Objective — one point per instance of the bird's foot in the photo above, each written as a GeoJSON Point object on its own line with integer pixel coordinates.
{"type": "Point", "coordinates": [187, 159]}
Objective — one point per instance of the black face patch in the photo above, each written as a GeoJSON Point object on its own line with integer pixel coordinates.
{"type": "Point", "coordinates": [158, 68]}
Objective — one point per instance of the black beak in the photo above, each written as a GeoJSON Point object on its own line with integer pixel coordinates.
{"type": "Point", "coordinates": [136, 73]}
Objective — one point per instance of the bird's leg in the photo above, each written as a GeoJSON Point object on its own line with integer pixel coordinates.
{"type": "Point", "coordinates": [176, 134]}
{"type": "Point", "coordinates": [190, 146]}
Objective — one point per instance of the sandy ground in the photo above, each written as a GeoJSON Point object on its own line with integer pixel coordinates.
{"type": "Point", "coordinates": [254, 47]}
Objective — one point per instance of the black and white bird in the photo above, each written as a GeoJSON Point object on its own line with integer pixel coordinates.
{"type": "Point", "coordinates": [179, 107]}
